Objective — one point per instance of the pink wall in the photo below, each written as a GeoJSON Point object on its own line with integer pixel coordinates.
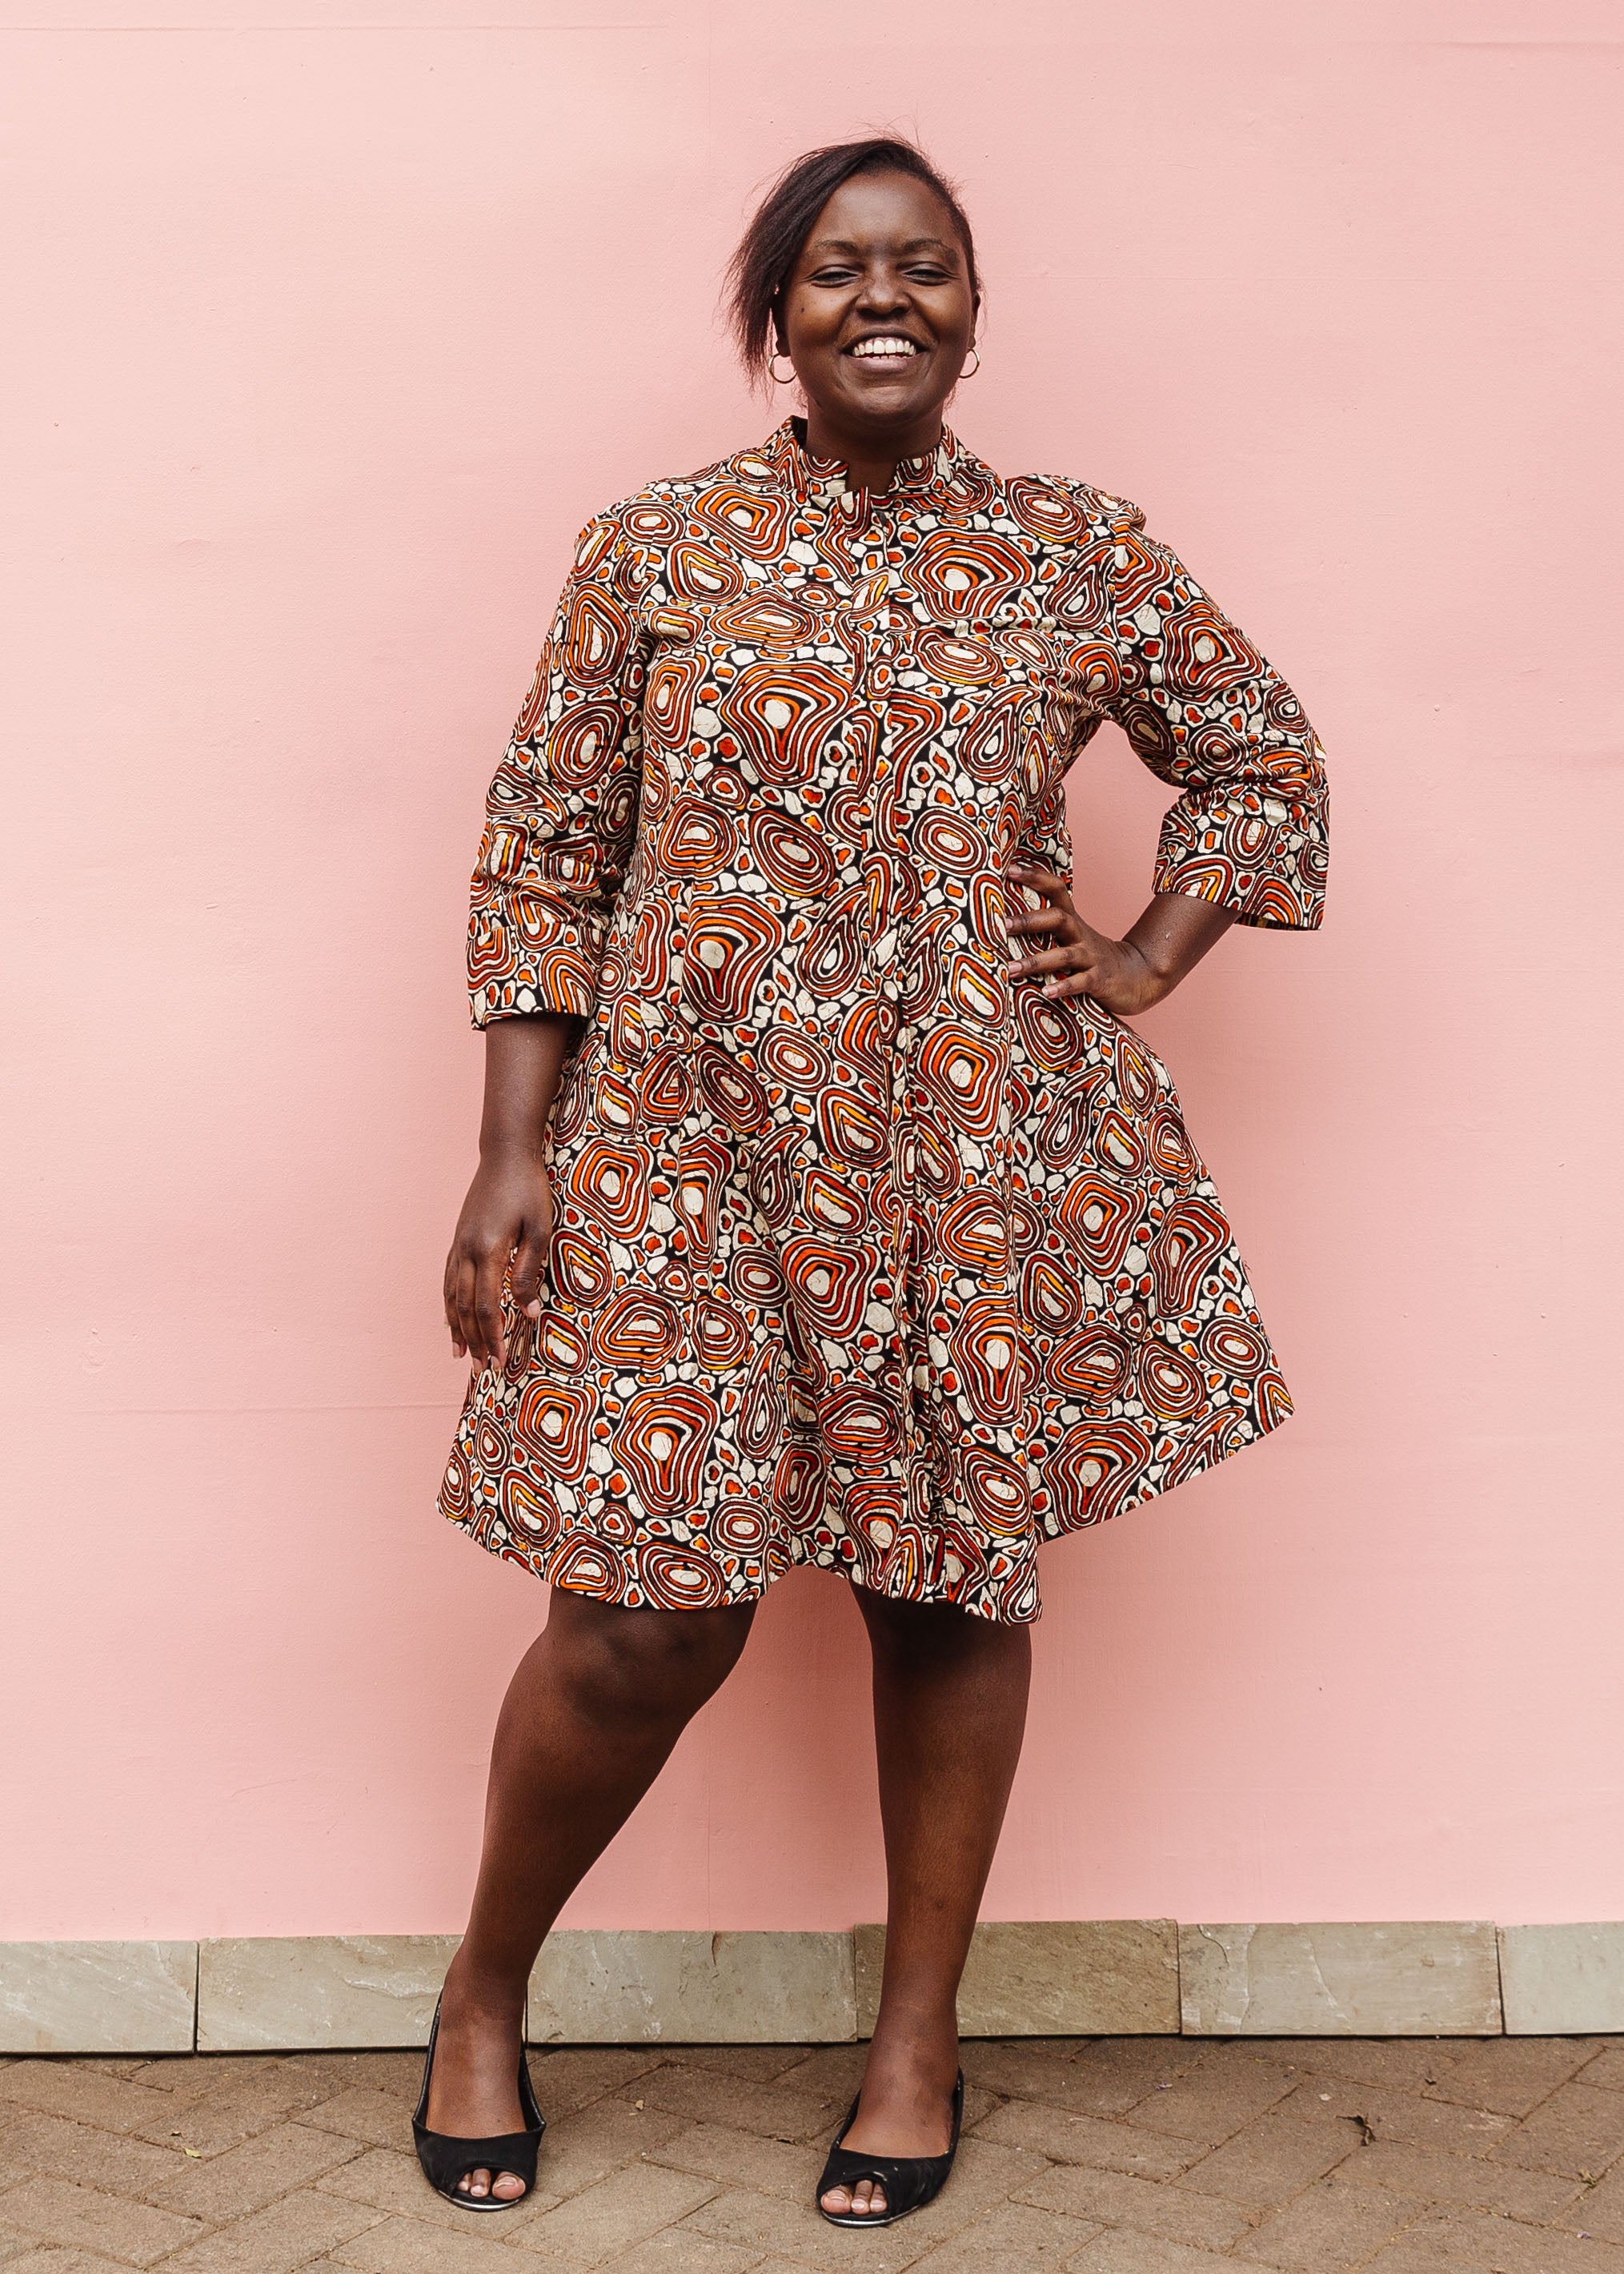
{"type": "Point", "coordinates": [331, 334]}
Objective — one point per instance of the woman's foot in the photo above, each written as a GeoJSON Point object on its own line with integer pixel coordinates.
{"type": "Point", "coordinates": [473, 2090]}
{"type": "Point", "coordinates": [905, 2109]}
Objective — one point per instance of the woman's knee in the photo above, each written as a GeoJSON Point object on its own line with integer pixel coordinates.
{"type": "Point", "coordinates": [625, 1665]}
{"type": "Point", "coordinates": [937, 1634]}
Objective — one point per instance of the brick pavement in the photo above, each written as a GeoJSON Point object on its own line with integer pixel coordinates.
{"type": "Point", "coordinates": [1125, 2155]}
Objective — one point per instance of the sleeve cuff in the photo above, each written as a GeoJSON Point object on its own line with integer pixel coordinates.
{"type": "Point", "coordinates": [1263, 856]}
{"type": "Point", "coordinates": [529, 952]}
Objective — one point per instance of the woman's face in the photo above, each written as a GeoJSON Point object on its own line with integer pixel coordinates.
{"type": "Point", "coordinates": [878, 315]}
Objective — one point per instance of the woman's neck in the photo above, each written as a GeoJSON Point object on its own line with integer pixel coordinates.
{"type": "Point", "coordinates": [870, 460]}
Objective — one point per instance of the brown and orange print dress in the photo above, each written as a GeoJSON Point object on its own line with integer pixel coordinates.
{"type": "Point", "coordinates": [865, 1256]}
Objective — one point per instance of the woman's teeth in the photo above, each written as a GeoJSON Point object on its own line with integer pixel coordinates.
{"type": "Point", "coordinates": [879, 349]}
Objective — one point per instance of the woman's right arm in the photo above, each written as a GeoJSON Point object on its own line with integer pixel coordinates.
{"type": "Point", "coordinates": [508, 1211]}
{"type": "Point", "coordinates": [560, 821]}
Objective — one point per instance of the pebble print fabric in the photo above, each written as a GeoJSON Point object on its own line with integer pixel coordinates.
{"type": "Point", "coordinates": [865, 1255]}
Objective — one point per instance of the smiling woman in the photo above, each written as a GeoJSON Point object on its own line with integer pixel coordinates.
{"type": "Point", "coordinates": [827, 1212]}
{"type": "Point", "coordinates": [860, 268]}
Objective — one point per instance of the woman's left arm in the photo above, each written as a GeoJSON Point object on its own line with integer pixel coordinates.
{"type": "Point", "coordinates": [1246, 841]}
{"type": "Point", "coordinates": [1126, 976]}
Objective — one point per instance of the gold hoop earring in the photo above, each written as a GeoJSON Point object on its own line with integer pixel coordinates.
{"type": "Point", "coordinates": [976, 353]}
{"type": "Point", "coordinates": [773, 375]}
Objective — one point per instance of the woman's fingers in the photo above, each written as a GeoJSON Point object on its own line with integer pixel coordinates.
{"type": "Point", "coordinates": [467, 1323]}
{"type": "Point", "coordinates": [529, 1263]}
{"type": "Point", "coordinates": [488, 1277]}
{"type": "Point", "coordinates": [458, 1344]}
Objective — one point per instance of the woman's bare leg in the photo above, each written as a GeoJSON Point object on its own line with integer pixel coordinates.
{"type": "Point", "coordinates": [950, 1709]}
{"type": "Point", "coordinates": [590, 1720]}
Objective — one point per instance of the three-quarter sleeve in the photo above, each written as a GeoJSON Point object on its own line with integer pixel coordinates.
{"type": "Point", "coordinates": [1211, 716]}
{"type": "Point", "coordinates": [561, 816]}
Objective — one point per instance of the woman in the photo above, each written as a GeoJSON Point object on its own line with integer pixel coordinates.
{"type": "Point", "coordinates": [825, 1212]}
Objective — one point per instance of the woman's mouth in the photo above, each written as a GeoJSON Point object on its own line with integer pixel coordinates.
{"type": "Point", "coordinates": [886, 349]}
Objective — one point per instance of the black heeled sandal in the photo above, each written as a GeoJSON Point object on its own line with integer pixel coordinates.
{"type": "Point", "coordinates": [445, 2159]}
{"type": "Point", "coordinates": [910, 2182]}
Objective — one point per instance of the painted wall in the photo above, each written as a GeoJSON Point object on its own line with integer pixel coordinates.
{"type": "Point", "coordinates": [328, 335]}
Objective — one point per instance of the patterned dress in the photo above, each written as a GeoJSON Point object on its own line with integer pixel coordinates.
{"type": "Point", "coordinates": [865, 1256]}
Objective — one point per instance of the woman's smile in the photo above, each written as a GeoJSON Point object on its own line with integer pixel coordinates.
{"type": "Point", "coordinates": [890, 351]}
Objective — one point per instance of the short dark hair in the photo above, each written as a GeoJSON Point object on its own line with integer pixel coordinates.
{"type": "Point", "coordinates": [782, 222]}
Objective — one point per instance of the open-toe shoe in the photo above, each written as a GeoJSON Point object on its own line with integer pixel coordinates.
{"type": "Point", "coordinates": [447, 2158]}
{"type": "Point", "coordinates": [910, 2182]}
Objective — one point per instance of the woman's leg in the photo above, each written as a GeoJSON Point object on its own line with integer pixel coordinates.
{"type": "Point", "coordinates": [589, 1721]}
{"type": "Point", "coordinates": [949, 1708]}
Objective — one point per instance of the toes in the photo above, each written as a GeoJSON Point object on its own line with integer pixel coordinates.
{"type": "Point", "coordinates": [475, 2183]}
{"type": "Point", "coordinates": [838, 2199]}
{"type": "Point", "coordinates": [509, 2186]}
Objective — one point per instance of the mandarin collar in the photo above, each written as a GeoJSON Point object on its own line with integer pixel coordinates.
{"type": "Point", "coordinates": [820, 481]}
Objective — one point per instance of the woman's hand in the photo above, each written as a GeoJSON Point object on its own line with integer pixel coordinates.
{"type": "Point", "coordinates": [1125, 977]}
{"type": "Point", "coordinates": [509, 1213]}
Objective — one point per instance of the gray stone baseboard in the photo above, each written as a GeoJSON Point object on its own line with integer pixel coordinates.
{"type": "Point", "coordinates": [1073, 1977]}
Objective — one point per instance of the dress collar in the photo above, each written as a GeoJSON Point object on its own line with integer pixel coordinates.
{"type": "Point", "coordinates": [820, 480]}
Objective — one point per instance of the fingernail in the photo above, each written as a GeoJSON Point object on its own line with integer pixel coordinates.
{"type": "Point", "coordinates": [532, 1310]}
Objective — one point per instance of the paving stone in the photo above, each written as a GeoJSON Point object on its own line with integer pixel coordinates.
{"type": "Point", "coordinates": [63, 2088]}
{"type": "Point", "coordinates": [1041, 2183]}
{"type": "Point", "coordinates": [1408, 2254]}
{"type": "Point", "coordinates": [1607, 2067]}
{"type": "Point", "coordinates": [1597, 2210]}
{"type": "Point", "coordinates": [381, 2119]}
{"type": "Point", "coordinates": [1014, 2238]}
{"type": "Point", "coordinates": [400, 2074]}
{"type": "Point", "coordinates": [1271, 2159]}
{"type": "Point", "coordinates": [1125, 2070]}
{"type": "Point", "coordinates": [1087, 2140]}
{"type": "Point", "coordinates": [1071, 1976]}
{"type": "Point", "coordinates": [743, 2160]}
{"type": "Point", "coordinates": [981, 2177]}
{"type": "Point", "coordinates": [574, 2078]}
{"type": "Point", "coordinates": [832, 2072]}
{"type": "Point", "coordinates": [1030, 2072]}
{"type": "Point", "coordinates": [1511, 2076]}
{"type": "Point", "coordinates": [1407, 1978]}
{"type": "Point", "coordinates": [409, 2246]}
{"type": "Point", "coordinates": [57, 2210]}
{"type": "Point", "coordinates": [1437, 2177]}
{"type": "Point", "coordinates": [1330, 2225]}
{"type": "Point", "coordinates": [385, 2180]}
{"type": "Point", "coordinates": [1203, 2222]}
{"type": "Point", "coordinates": [46, 2258]}
{"type": "Point", "coordinates": [1506, 2246]}
{"type": "Point", "coordinates": [676, 2251]}
{"type": "Point", "coordinates": [189, 2076]}
{"type": "Point", "coordinates": [240, 2112]}
{"type": "Point", "coordinates": [708, 2098]}
{"type": "Point", "coordinates": [1561, 1979]}
{"type": "Point", "coordinates": [230, 2186]}
{"type": "Point", "coordinates": [61, 2150]}
{"type": "Point", "coordinates": [615, 1986]}
{"type": "Point", "coordinates": [276, 1991]}
{"type": "Point", "coordinates": [1212, 2101]}
{"type": "Point", "coordinates": [608, 2218]}
{"type": "Point", "coordinates": [1402, 2063]}
{"type": "Point", "coordinates": [578, 2150]}
{"type": "Point", "coordinates": [274, 2241]}
{"type": "Point", "coordinates": [762, 2063]}
{"type": "Point", "coordinates": [116, 1997]}
{"type": "Point", "coordinates": [1390, 2115]}
{"type": "Point", "coordinates": [1579, 2131]}
{"type": "Point", "coordinates": [1119, 2251]}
